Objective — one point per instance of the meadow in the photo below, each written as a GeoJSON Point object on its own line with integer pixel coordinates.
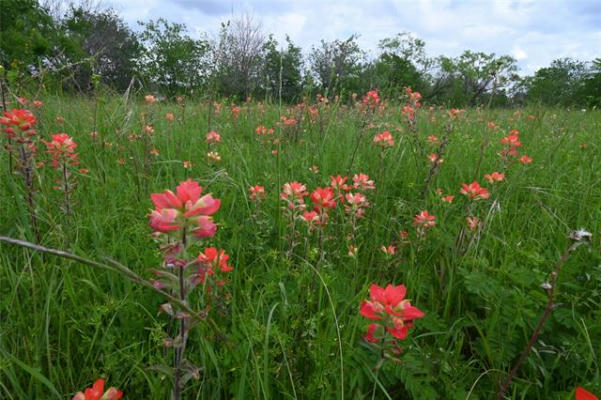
{"type": "Point", "coordinates": [288, 320]}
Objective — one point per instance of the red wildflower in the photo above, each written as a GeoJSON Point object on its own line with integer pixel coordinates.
{"type": "Point", "coordinates": [213, 137]}
{"type": "Point", "coordinates": [362, 182]}
{"type": "Point", "coordinates": [475, 191]}
{"type": "Point", "coordinates": [494, 177]}
{"type": "Point", "coordinates": [323, 198]}
{"type": "Point", "coordinates": [435, 159]}
{"type": "Point", "coordinates": [388, 250]}
{"type": "Point", "coordinates": [294, 194]}
{"type": "Point", "coordinates": [96, 392]}
{"type": "Point", "coordinates": [512, 140]}
{"type": "Point", "coordinates": [357, 202]}
{"type": "Point", "coordinates": [384, 139]}
{"type": "Point", "coordinates": [176, 210]}
{"type": "Point", "coordinates": [424, 221]}
{"type": "Point", "coordinates": [390, 306]}
{"type": "Point", "coordinates": [583, 394]}
{"type": "Point", "coordinates": [213, 260]}
{"type": "Point", "coordinates": [20, 119]}
{"type": "Point", "coordinates": [473, 223]}
{"type": "Point", "coordinates": [256, 193]}
{"type": "Point", "coordinates": [371, 98]}
{"type": "Point", "coordinates": [62, 150]}
{"type": "Point", "coordinates": [338, 183]}
{"type": "Point", "coordinates": [525, 159]}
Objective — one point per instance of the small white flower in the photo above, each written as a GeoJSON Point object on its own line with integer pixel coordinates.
{"type": "Point", "coordinates": [546, 286]}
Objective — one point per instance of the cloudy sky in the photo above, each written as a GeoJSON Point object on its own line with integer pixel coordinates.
{"type": "Point", "coordinates": [535, 32]}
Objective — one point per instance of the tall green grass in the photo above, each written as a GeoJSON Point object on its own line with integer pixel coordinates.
{"type": "Point", "coordinates": [292, 326]}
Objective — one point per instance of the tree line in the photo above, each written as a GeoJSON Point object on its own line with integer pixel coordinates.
{"type": "Point", "coordinates": [73, 50]}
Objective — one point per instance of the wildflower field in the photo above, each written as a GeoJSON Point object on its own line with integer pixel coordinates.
{"type": "Point", "coordinates": [344, 249]}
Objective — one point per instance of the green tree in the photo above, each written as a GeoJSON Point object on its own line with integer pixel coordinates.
{"type": "Point", "coordinates": [402, 63]}
{"type": "Point", "coordinates": [238, 57]}
{"type": "Point", "coordinates": [171, 59]}
{"type": "Point", "coordinates": [285, 63]}
{"type": "Point", "coordinates": [561, 83]}
{"type": "Point", "coordinates": [474, 78]}
{"type": "Point", "coordinates": [591, 90]}
{"type": "Point", "coordinates": [337, 65]}
{"type": "Point", "coordinates": [29, 39]}
{"type": "Point", "coordinates": [101, 37]}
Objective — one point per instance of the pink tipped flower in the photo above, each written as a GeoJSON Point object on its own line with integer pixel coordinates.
{"type": "Point", "coordinates": [256, 193]}
{"type": "Point", "coordinates": [206, 227]}
{"type": "Point", "coordinates": [169, 117]}
{"type": "Point", "coordinates": [448, 199]}
{"type": "Point", "coordinates": [424, 221]}
{"type": "Point", "coordinates": [20, 119]}
{"type": "Point", "coordinates": [495, 177]}
{"type": "Point", "coordinates": [37, 104]}
{"type": "Point", "coordinates": [409, 112]}
{"type": "Point", "coordinates": [475, 191]}
{"type": "Point", "coordinates": [213, 137]}
{"type": "Point", "coordinates": [372, 98]}
{"type": "Point", "coordinates": [473, 223]}
{"type": "Point", "coordinates": [525, 159]}
{"type": "Point", "coordinates": [338, 183]}
{"type": "Point", "coordinates": [388, 250]}
{"type": "Point", "coordinates": [96, 392]}
{"type": "Point", "coordinates": [435, 159]}
{"type": "Point", "coordinates": [323, 198]}
{"type": "Point", "coordinates": [150, 99]}
{"type": "Point", "coordinates": [512, 140]}
{"type": "Point", "coordinates": [214, 260]}
{"type": "Point", "coordinates": [356, 204]}
{"type": "Point", "coordinates": [311, 218]}
{"type": "Point", "coordinates": [456, 113]}
{"type": "Point", "coordinates": [294, 192]}
{"type": "Point", "coordinates": [362, 182]}
{"type": "Point", "coordinates": [492, 125]}
{"type": "Point", "coordinates": [184, 208]}
{"type": "Point", "coordinates": [389, 306]}
{"type": "Point", "coordinates": [62, 150]}
{"type": "Point", "coordinates": [384, 140]}
{"type": "Point", "coordinates": [374, 334]}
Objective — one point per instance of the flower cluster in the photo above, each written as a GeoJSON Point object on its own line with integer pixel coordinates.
{"type": "Point", "coordinates": [62, 150]}
{"type": "Point", "coordinates": [475, 191]}
{"type": "Point", "coordinates": [213, 137]}
{"type": "Point", "coordinates": [211, 261]}
{"type": "Point", "coordinates": [19, 124]}
{"type": "Point", "coordinates": [423, 222]}
{"type": "Point", "coordinates": [293, 193]}
{"type": "Point", "coordinates": [394, 313]}
{"type": "Point", "coordinates": [256, 193]}
{"type": "Point", "coordinates": [512, 142]}
{"type": "Point", "coordinates": [494, 177]}
{"type": "Point", "coordinates": [262, 131]}
{"type": "Point", "coordinates": [184, 211]}
{"type": "Point", "coordinates": [371, 98]}
{"type": "Point", "coordinates": [384, 140]}
{"type": "Point", "coordinates": [96, 392]}
{"type": "Point", "coordinates": [413, 99]}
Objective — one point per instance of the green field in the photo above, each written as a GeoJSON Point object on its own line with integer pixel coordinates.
{"type": "Point", "coordinates": [286, 324]}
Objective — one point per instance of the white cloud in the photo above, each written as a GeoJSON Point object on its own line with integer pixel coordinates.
{"type": "Point", "coordinates": [534, 32]}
